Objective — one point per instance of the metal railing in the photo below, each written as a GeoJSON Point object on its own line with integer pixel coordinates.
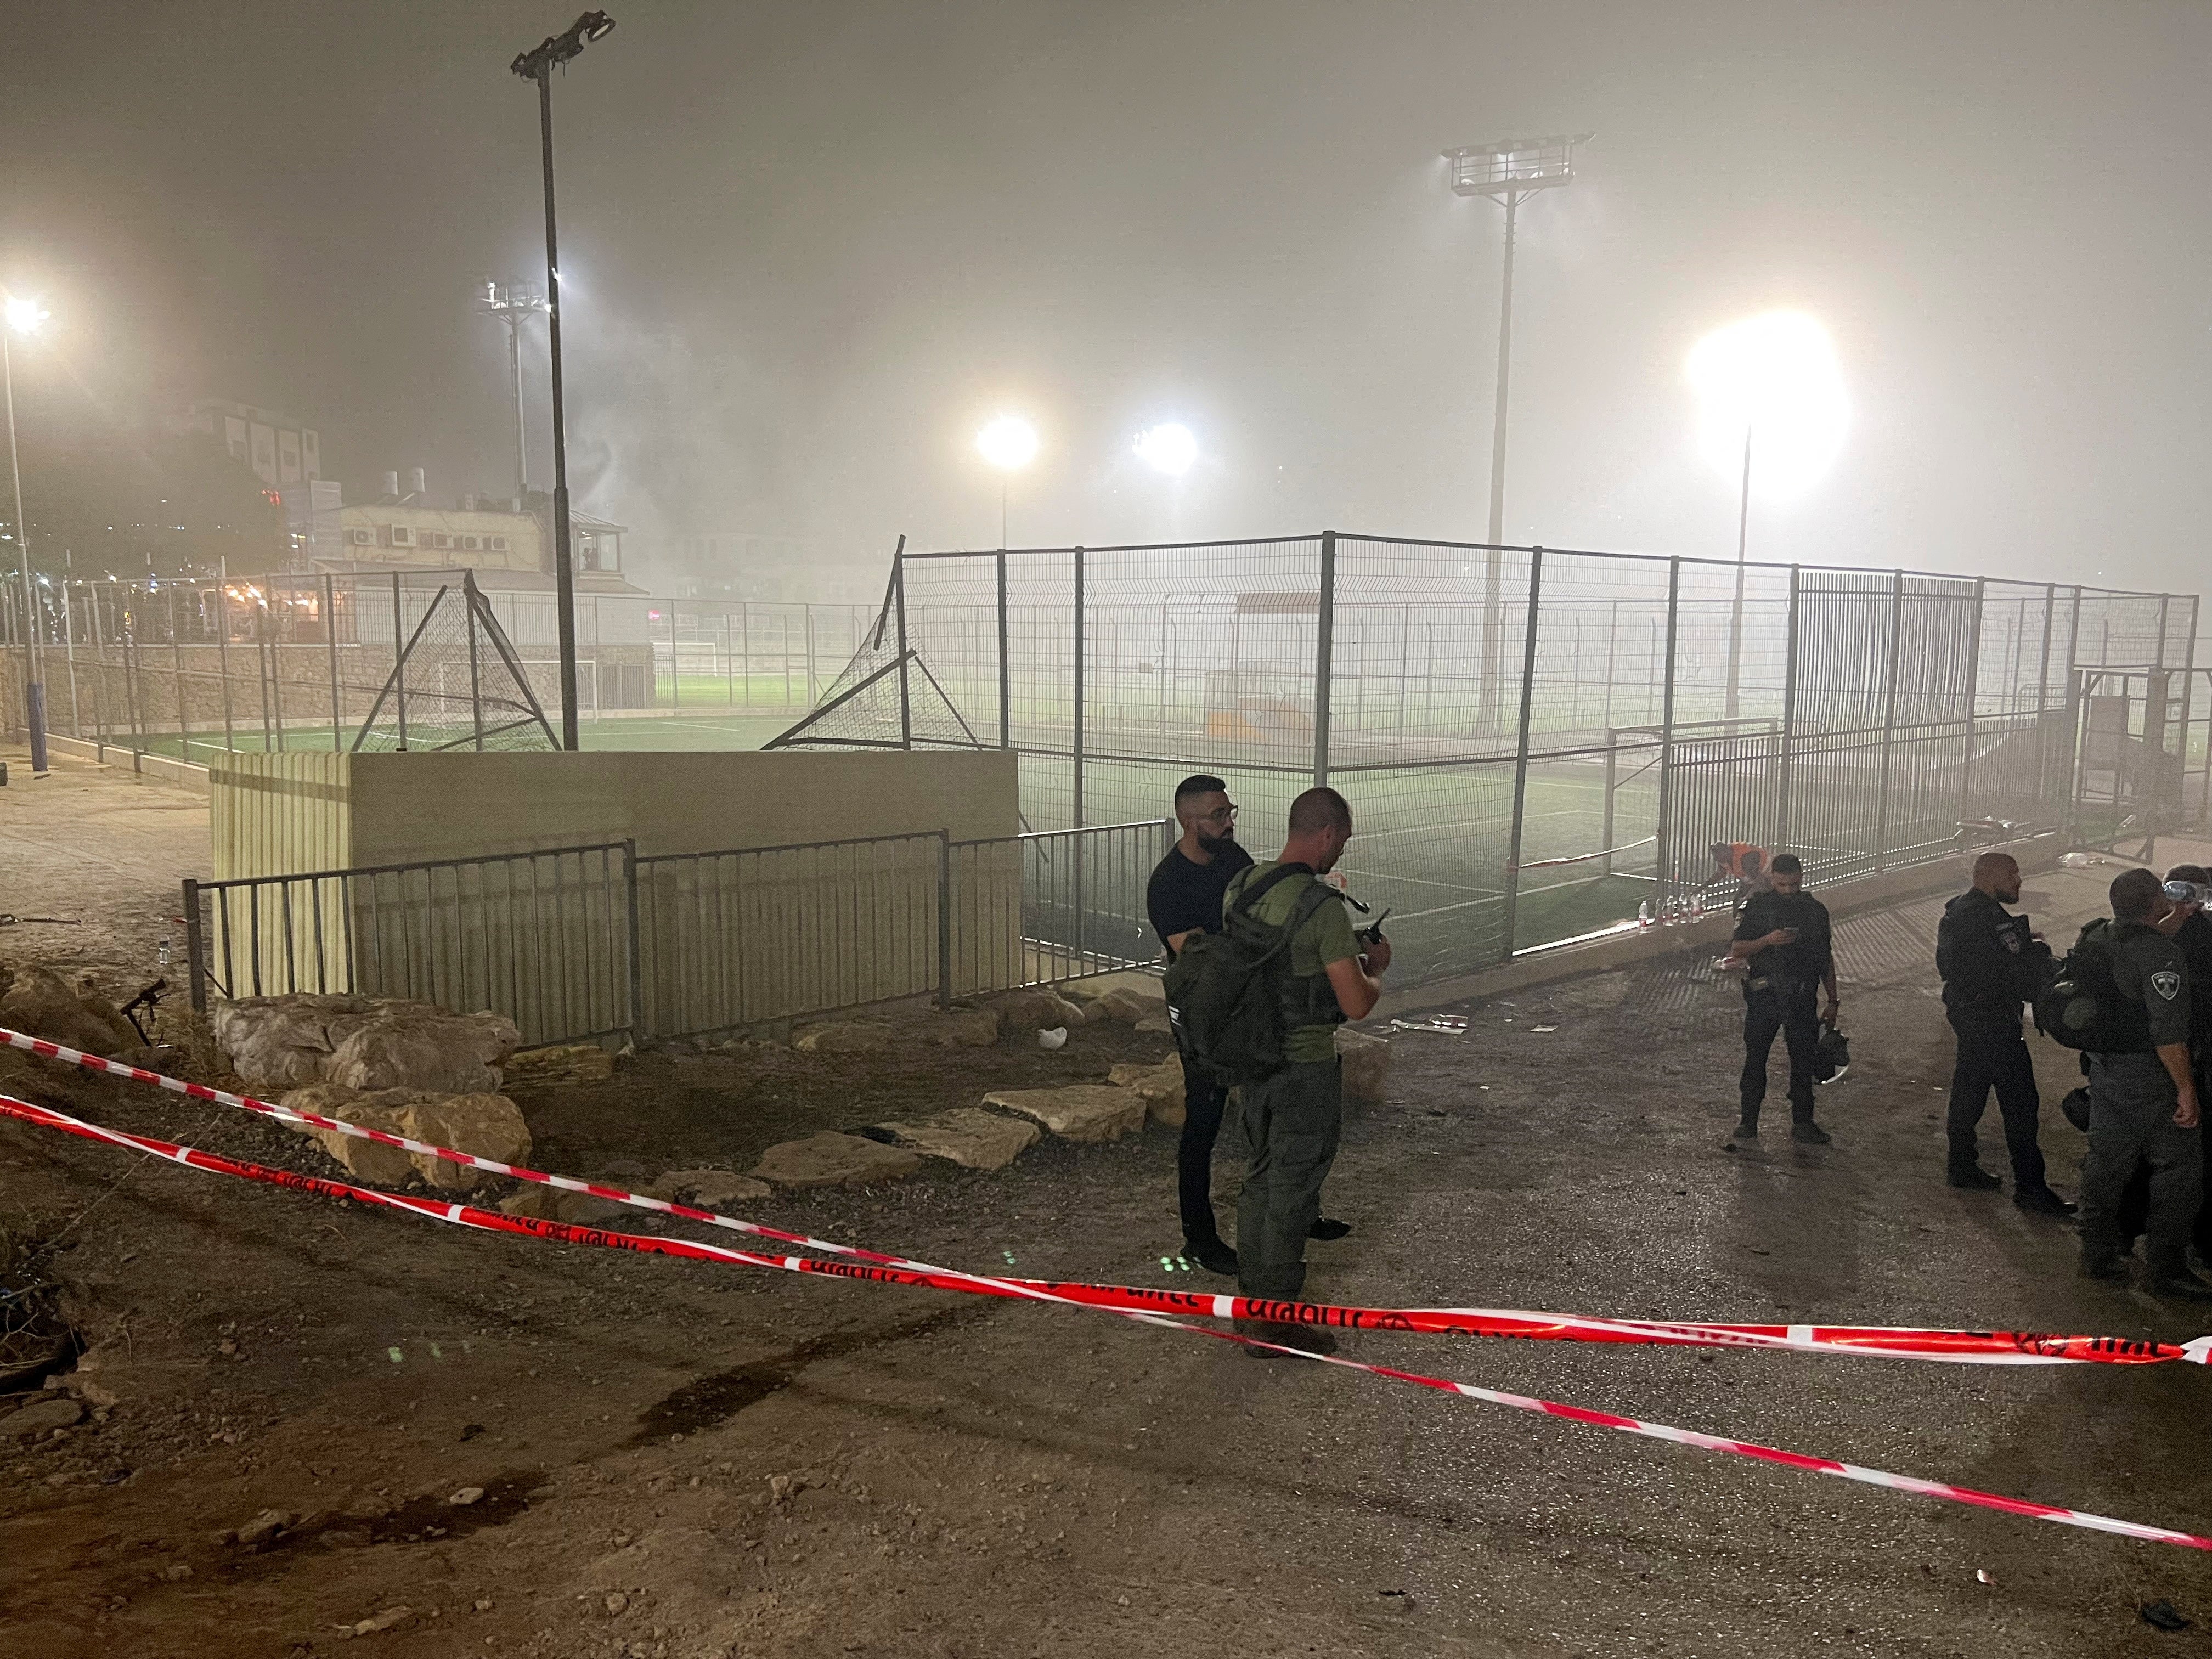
{"type": "Point", "coordinates": [578, 943]}
{"type": "Point", "coordinates": [549, 939]}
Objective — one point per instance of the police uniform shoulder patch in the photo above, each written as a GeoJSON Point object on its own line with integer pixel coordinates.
{"type": "Point", "coordinates": [2166, 983]}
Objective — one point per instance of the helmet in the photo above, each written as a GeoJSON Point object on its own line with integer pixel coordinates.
{"type": "Point", "coordinates": [1831, 1055]}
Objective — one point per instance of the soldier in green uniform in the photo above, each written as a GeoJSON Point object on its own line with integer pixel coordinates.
{"type": "Point", "coordinates": [1293, 1117]}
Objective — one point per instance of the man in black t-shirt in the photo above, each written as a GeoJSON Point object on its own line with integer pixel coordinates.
{"type": "Point", "coordinates": [1184, 898]}
{"type": "Point", "coordinates": [1783, 939]}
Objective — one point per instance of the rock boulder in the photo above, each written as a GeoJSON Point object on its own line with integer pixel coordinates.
{"type": "Point", "coordinates": [1085, 1112]}
{"type": "Point", "coordinates": [1159, 1086]}
{"type": "Point", "coordinates": [972, 1139]}
{"type": "Point", "coordinates": [1036, 1010]}
{"type": "Point", "coordinates": [843, 1037]}
{"type": "Point", "coordinates": [362, 1043]}
{"type": "Point", "coordinates": [485, 1126]}
{"type": "Point", "coordinates": [967, 1028]}
{"type": "Point", "coordinates": [706, 1189]}
{"type": "Point", "coordinates": [540, 1203]}
{"type": "Point", "coordinates": [830, 1160]}
{"type": "Point", "coordinates": [42, 1004]}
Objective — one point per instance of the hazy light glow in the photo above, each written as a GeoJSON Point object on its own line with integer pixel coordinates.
{"type": "Point", "coordinates": [1170, 448]}
{"type": "Point", "coordinates": [1775, 376]}
{"type": "Point", "coordinates": [1008, 442]}
{"type": "Point", "coordinates": [24, 316]}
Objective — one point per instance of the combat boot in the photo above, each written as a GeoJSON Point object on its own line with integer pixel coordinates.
{"type": "Point", "coordinates": [2101, 1262]}
{"type": "Point", "coordinates": [1812, 1134]}
{"type": "Point", "coordinates": [2170, 1276]}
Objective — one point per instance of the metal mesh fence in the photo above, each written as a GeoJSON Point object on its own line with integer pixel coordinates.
{"type": "Point", "coordinates": [1538, 744]}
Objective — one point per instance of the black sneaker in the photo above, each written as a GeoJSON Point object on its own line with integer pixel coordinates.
{"type": "Point", "coordinates": [1746, 1129]}
{"type": "Point", "coordinates": [1977, 1180]}
{"type": "Point", "coordinates": [2041, 1200]}
{"type": "Point", "coordinates": [1811, 1132]}
{"type": "Point", "coordinates": [1212, 1255]}
{"type": "Point", "coordinates": [1326, 1229]}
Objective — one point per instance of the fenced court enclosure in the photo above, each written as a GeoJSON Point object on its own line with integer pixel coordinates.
{"type": "Point", "coordinates": [1540, 744]}
{"type": "Point", "coordinates": [412, 659]}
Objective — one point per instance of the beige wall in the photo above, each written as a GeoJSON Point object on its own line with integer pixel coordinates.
{"type": "Point", "coordinates": [722, 943]}
{"type": "Point", "coordinates": [415, 807]}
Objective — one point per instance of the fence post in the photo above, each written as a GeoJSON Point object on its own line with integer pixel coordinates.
{"type": "Point", "coordinates": [2071, 822]}
{"type": "Point", "coordinates": [476, 676]}
{"type": "Point", "coordinates": [331, 650]}
{"type": "Point", "coordinates": [898, 594]}
{"type": "Point", "coordinates": [99, 676]}
{"type": "Point", "coordinates": [1662, 829]}
{"type": "Point", "coordinates": [1973, 691]}
{"type": "Point", "coordinates": [636, 1021]}
{"type": "Point", "coordinates": [944, 919]}
{"type": "Point", "coordinates": [1888, 721]}
{"type": "Point", "coordinates": [1784, 779]}
{"type": "Point", "coordinates": [195, 950]}
{"type": "Point", "coordinates": [400, 655]}
{"type": "Point", "coordinates": [68, 657]}
{"type": "Point", "coordinates": [675, 663]}
{"type": "Point", "coordinates": [1521, 749]}
{"type": "Point", "coordinates": [2042, 697]}
{"type": "Point", "coordinates": [133, 693]}
{"type": "Point", "coordinates": [1005, 673]}
{"type": "Point", "coordinates": [1324, 662]}
{"type": "Point", "coordinates": [177, 663]}
{"type": "Point", "coordinates": [1075, 821]}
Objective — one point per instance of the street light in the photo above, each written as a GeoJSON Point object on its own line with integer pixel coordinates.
{"type": "Point", "coordinates": [515, 304]}
{"type": "Point", "coordinates": [1507, 171]}
{"type": "Point", "coordinates": [24, 317]}
{"type": "Point", "coordinates": [1776, 375]}
{"type": "Point", "coordinates": [538, 64]}
{"type": "Point", "coordinates": [1009, 443]}
{"type": "Point", "coordinates": [1170, 448]}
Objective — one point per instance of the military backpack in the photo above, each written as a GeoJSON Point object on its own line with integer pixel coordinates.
{"type": "Point", "coordinates": [1228, 992]}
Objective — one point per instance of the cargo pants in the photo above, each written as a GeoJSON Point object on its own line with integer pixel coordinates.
{"type": "Point", "coordinates": [2131, 1102]}
{"type": "Point", "coordinates": [1292, 1121]}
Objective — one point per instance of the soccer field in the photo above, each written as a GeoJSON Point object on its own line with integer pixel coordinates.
{"type": "Point", "coordinates": [656, 733]}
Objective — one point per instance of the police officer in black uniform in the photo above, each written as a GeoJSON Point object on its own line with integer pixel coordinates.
{"type": "Point", "coordinates": [2142, 1099]}
{"type": "Point", "coordinates": [1184, 898]}
{"type": "Point", "coordinates": [1991, 964]}
{"type": "Point", "coordinates": [1783, 936]}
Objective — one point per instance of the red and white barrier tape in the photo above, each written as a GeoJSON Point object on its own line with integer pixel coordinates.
{"type": "Point", "coordinates": [490, 1221]}
{"type": "Point", "coordinates": [1957, 1348]}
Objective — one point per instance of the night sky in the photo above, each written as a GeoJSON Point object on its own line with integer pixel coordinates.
{"type": "Point", "coordinates": [812, 246]}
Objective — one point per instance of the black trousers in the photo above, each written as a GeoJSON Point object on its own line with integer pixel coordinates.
{"type": "Point", "coordinates": [2134, 1212]}
{"type": "Point", "coordinates": [2132, 1101]}
{"type": "Point", "coordinates": [1203, 1100]}
{"type": "Point", "coordinates": [1794, 1015]}
{"type": "Point", "coordinates": [1992, 1055]}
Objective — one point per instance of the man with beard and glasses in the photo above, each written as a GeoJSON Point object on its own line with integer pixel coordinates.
{"type": "Point", "coordinates": [1184, 898]}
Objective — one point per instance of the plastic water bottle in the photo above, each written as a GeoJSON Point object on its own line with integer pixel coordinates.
{"type": "Point", "coordinates": [1643, 914]}
{"type": "Point", "coordinates": [162, 952]}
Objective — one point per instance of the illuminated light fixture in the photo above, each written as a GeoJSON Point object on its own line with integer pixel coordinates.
{"type": "Point", "coordinates": [25, 316]}
{"type": "Point", "coordinates": [1768, 386]}
{"type": "Point", "coordinates": [1170, 448]}
{"type": "Point", "coordinates": [1770, 383]}
{"type": "Point", "coordinates": [1007, 442]}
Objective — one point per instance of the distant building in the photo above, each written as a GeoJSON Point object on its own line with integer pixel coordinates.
{"type": "Point", "coordinates": [281, 450]}
{"type": "Point", "coordinates": [508, 547]}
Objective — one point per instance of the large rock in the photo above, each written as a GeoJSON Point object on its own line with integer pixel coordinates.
{"type": "Point", "coordinates": [971, 1139]}
{"type": "Point", "coordinates": [706, 1189]}
{"type": "Point", "coordinates": [1088, 1112]}
{"type": "Point", "coordinates": [1159, 1086]}
{"type": "Point", "coordinates": [483, 1125]}
{"type": "Point", "coordinates": [54, 1411]}
{"type": "Point", "coordinates": [1128, 1004]}
{"type": "Point", "coordinates": [830, 1160]}
{"type": "Point", "coordinates": [844, 1036]}
{"type": "Point", "coordinates": [1036, 1010]}
{"type": "Point", "coordinates": [362, 1043]}
{"type": "Point", "coordinates": [41, 1004]}
{"type": "Point", "coordinates": [540, 1203]}
{"type": "Point", "coordinates": [1366, 1062]}
{"type": "Point", "coordinates": [417, 1048]}
{"type": "Point", "coordinates": [967, 1028]}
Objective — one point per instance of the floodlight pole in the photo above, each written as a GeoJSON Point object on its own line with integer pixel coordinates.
{"type": "Point", "coordinates": [1735, 608]}
{"type": "Point", "coordinates": [34, 686]}
{"type": "Point", "coordinates": [513, 306]}
{"type": "Point", "coordinates": [537, 64]}
{"type": "Point", "coordinates": [1507, 173]}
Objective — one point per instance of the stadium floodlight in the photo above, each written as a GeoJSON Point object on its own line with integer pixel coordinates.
{"type": "Point", "coordinates": [537, 65]}
{"type": "Point", "coordinates": [1170, 448]}
{"type": "Point", "coordinates": [1009, 443]}
{"type": "Point", "coordinates": [25, 316]}
{"type": "Point", "coordinates": [1506, 172]}
{"type": "Point", "coordinates": [515, 304]}
{"type": "Point", "coordinates": [1769, 382]}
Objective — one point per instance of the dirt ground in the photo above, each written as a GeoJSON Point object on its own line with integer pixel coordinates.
{"type": "Point", "coordinates": [681, 1460]}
